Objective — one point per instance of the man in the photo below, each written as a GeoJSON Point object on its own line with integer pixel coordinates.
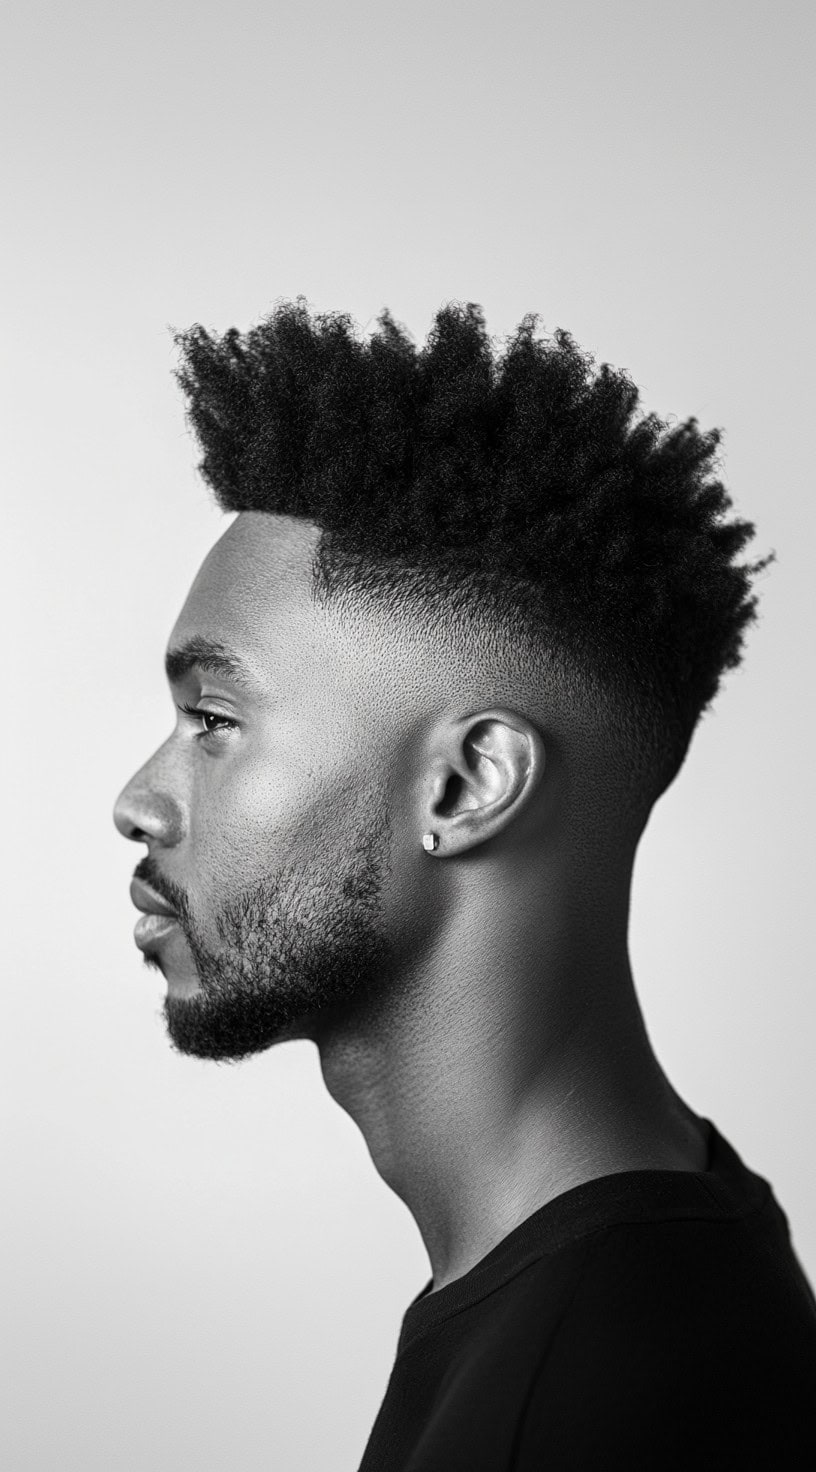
{"type": "Point", "coordinates": [431, 681]}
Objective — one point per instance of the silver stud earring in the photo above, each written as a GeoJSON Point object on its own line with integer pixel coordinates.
{"type": "Point", "coordinates": [430, 841]}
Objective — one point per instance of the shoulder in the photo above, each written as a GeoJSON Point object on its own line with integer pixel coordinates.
{"type": "Point", "coordinates": [682, 1339]}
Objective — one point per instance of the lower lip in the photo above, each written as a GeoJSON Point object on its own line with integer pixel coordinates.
{"type": "Point", "coordinates": [151, 929]}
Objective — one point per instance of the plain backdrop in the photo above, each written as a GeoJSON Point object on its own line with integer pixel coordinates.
{"type": "Point", "coordinates": [202, 1271]}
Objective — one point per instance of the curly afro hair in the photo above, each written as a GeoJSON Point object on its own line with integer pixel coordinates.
{"type": "Point", "coordinates": [513, 491]}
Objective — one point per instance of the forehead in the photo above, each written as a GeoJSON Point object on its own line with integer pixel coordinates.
{"type": "Point", "coordinates": [252, 589]}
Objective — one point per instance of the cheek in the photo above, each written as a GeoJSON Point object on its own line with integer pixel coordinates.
{"type": "Point", "coordinates": [259, 817]}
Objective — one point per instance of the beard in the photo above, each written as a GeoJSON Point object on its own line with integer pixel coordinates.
{"type": "Point", "coordinates": [292, 948]}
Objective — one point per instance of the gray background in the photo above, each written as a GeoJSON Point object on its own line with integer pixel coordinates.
{"type": "Point", "coordinates": [202, 1269]}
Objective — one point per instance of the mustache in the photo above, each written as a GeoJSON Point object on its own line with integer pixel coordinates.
{"type": "Point", "coordinates": [148, 871]}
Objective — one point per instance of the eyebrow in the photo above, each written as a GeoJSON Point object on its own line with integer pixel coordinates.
{"type": "Point", "coordinates": [206, 654]}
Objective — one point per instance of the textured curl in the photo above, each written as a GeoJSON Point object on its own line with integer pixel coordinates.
{"type": "Point", "coordinates": [515, 490]}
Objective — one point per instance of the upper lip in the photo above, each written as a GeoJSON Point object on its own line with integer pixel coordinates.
{"type": "Point", "coordinates": [145, 898]}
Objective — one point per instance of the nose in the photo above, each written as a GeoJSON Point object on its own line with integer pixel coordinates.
{"type": "Point", "coordinates": [145, 809]}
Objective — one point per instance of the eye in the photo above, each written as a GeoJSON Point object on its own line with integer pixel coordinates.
{"type": "Point", "coordinates": [214, 722]}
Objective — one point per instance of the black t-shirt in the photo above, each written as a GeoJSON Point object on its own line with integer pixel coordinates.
{"type": "Point", "coordinates": [651, 1319]}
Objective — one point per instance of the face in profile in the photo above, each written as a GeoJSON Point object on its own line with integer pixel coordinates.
{"type": "Point", "coordinates": [265, 812]}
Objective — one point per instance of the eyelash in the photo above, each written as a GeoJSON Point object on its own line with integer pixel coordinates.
{"type": "Point", "coordinates": [226, 722]}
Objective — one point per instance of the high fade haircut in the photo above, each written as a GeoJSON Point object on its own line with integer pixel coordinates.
{"type": "Point", "coordinates": [512, 495]}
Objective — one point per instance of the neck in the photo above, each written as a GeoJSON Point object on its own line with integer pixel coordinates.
{"type": "Point", "coordinates": [487, 1087]}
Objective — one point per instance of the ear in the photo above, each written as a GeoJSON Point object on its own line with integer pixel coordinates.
{"type": "Point", "coordinates": [484, 771]}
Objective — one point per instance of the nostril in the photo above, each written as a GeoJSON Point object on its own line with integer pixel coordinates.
{"type": "Point", "coordinates": [125, 821]}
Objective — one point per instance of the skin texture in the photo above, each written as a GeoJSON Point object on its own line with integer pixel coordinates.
{"type": "Point", "coordinates": [473, 1008]}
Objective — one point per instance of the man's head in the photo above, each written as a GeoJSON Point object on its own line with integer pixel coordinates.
{"type": "Point", "coordinates": [463, 595]}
